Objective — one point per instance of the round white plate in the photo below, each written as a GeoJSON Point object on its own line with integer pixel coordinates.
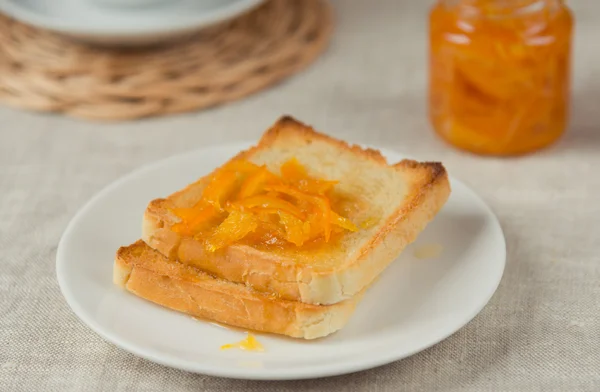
{"type": "Point", "coordinates": [415, 304]}
{"type": "Point", "coordinates": [99, 22]}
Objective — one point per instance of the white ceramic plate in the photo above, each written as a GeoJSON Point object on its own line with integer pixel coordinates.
{"type": "Point", "coordinates": [93, 21]}
{"type": "Point", "coordinates": [415, 304]}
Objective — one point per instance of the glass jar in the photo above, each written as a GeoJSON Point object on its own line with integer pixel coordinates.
{"type": "Point", "coordinates": [499, 73]}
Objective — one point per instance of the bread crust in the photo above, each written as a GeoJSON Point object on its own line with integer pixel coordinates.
{"type": "Point", "coordinates": [149, 275]}
{"type": "Point", "coordinates": [426, 190]}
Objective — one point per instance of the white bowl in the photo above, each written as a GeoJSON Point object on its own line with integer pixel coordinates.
{"type": "Point", "coordinates": [96, 23]}
{"type": "Point", "coordinates": [131, 3]}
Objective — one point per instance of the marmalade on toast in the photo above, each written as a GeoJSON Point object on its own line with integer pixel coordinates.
{"type": "Point", "coordinates": [246, 203]}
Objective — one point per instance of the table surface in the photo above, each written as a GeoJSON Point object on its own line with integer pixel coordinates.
{"type": "Point", "coordinates": [539, 332]}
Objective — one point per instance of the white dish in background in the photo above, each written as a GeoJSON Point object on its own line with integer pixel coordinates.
{"type": "Point", "coordinates": [130, 3]}
{"type": "Point", "coordinates": [415, 304]}
{"type": "Point", "coordinates": [94, 22]}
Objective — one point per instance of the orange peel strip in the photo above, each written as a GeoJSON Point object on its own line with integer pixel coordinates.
{"type": "Point", "coordinates": [269, 202]}
{"type": "Point", "coordinates": [236, 226]}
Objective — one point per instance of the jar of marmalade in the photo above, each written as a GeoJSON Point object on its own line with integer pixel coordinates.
{"type": "Point", "coordinates": [499, 73]}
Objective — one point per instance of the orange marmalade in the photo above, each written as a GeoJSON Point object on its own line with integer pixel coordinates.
{"type": "Point", "coordinates": [246, 203]}
{"type": "Point", "coordinates": [499, 73]}
{"type": "Point", "coordinates": [250, 343]}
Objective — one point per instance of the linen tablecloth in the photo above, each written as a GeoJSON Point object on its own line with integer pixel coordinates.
{"type": "Point", "coordinates": [541, 330]}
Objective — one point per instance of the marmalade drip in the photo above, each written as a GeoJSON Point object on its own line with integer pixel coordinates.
{"type": "Point", "coordinates": [248, 344]}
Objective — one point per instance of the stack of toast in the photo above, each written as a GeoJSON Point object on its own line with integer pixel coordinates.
{"type": "Point", "coordinates": [304, 291]}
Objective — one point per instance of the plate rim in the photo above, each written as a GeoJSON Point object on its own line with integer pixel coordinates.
{"type": "Point", "coordinates": [73, 27]}
{"type": "Point", "coordinates": [253, 374]}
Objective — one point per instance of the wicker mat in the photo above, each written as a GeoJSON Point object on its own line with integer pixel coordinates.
{"type": "Point", "coordinates": [44, 71]}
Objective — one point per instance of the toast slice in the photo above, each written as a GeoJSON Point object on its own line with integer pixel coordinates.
{"type": "Point", "coordinates": [149, 275]}
{"type": "Point", "coordinates": [391, 203]}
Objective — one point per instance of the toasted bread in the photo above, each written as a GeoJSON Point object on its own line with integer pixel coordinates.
{"type": "Point", "coordinates": [148, 274]}
{"type": "Point", "coordinates": [399, 200]}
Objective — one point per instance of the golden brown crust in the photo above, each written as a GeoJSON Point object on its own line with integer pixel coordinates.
{"type": "Point", "coordinates": [426, 190]}
{"type": "Point", "coordinates": [296, 128]}
{"type": "Point", "coordinates": [148, 274]}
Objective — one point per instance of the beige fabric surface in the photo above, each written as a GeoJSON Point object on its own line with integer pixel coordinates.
{"type": "Point", "coordinates": [540, 332]}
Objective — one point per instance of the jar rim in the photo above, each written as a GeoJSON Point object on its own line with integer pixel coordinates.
{"type": "Point", "coordinates": [502, 7]}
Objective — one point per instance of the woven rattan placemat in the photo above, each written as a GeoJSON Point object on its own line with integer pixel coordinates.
{"type": "Point", "coordinates": [41, 70]}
